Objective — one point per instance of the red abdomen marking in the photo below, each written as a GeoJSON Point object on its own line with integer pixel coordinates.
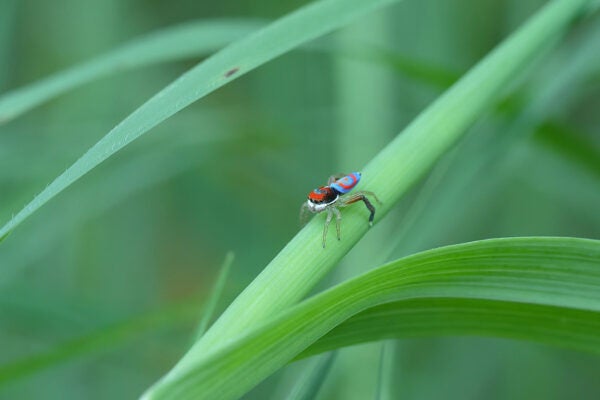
{"type": "Point", "coordinates": [324, 194]}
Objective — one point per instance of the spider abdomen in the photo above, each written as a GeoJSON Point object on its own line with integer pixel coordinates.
{"type": "Point", "coordinates": [347, 183]}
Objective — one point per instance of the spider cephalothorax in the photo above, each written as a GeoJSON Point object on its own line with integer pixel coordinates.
{"type": "Point", "coordinates": [320, 198]}
{"type": "Point", "coordinates": [329, 198]}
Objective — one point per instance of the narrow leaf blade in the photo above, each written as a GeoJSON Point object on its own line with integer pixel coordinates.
{"type": "Point", "coordinates": [186, 40]}
{"type": "Point", "coordinates": [228, 64]}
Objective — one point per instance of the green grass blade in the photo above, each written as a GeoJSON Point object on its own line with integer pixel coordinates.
{"type": "Point", "coordinates": [217, 291]}
{"type": "Point", "coordinates": [559, 276]}
{"type": "Point", "coordinates": [100, 341]}
{"type": "Point", "coordinates": [175, 43]}
{"type": "Point", "coordinates": [558, 326]}
{"type": "Point", "coordinates": [115, 335]}
{"type": "Point", "coordinates": [228, 64]}
{"type": "Point", "coordinates": [571, 145]}
{"type": "Point", "coordinates": [303, 262]}
{"type": "Point", "coordinates": [414, 69]}
{"type": "Point", "coordinates": [387, 370]}
{"type": "Point", "coordinates": [308, 385]}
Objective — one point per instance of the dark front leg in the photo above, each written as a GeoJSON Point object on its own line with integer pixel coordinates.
{"type": "Point", "coordinates": [361, 197]}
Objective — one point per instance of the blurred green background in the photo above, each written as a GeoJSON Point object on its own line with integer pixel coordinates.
{"type": "Point", "coordinates": [108, 280]}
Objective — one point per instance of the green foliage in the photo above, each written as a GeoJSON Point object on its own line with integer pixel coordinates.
{"type": "Point", "coordinates": [100, 340]}
{"type": "Point", "coordinates": [185, 41]}
{"type": "Point", "coordinates": [226, 65]}
{"type": "Point", "coordinates": [308, 386]}
{"type": "Point", "coordinates": [93, 288]}
{"type": "Point", "coordinates": [574, 328]}
{"type": "Point", "coordinates": [558, 277]}
{"type": "Point", "coordinates": [215, 296]}
{"type": "Point", "coordinates": [294, 272]}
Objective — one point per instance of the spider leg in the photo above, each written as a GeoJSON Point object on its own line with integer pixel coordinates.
{"type": "Point", "coordinates": [304, 213]}
{"type": "Point", "coordinates": [334, 178]}
{"type": "Point", "coordinates": [338, 219]}
{"type": "Point", "coordinates": [360, 196]}
{"type": "Point", "coordinates": [327, 222]}
{"type": "Point", "coordinates": [370, 194]}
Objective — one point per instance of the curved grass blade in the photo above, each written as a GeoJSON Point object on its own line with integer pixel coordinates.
{"type": "Point", "coordinates": [288, 32]}
{"type": "Point", "coordinates": [559, 276]}
{"type": "Point", "coordinates": [558, 326]}
{"type": "Point", "coordinates": [183, 41]}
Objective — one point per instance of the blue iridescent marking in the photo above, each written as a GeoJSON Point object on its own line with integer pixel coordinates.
{"type": "Point", "coordinates": [347, 183]}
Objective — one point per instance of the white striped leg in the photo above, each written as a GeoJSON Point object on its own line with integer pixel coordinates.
{"type": "Point", "coordinates": [327, 222]}
{"type": "Point", "coordinates": [304, 214]}
{"type": "Point", "coordinates": [338, 219]}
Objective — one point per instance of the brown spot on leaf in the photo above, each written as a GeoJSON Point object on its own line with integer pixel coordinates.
{"type": "Point", "coordinates": [231, 72]}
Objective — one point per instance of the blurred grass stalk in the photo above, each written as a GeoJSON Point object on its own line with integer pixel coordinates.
{"type": "Point", "coordinates": [193, 39]}
{"type": "Point", "coordinates": [366, 121]}
{"type": "Point", "coordinates": [302, 263]}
